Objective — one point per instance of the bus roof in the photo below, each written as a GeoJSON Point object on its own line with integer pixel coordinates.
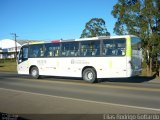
{"type": "Point", "coordinates": [80, 39]}
{"type": "Point", "coordinates": [36, 42]}
{"type": "Point", "coordinates": [105, 37]}
{"type": "Point", "coordinates": [122, 36]}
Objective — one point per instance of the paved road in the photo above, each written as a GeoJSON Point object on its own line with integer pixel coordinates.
{"type": "Point", "coordinates": [52, 95]}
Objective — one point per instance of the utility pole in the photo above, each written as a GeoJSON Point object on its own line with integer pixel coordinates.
{"type": "Point", "coordinates": [15, 39]}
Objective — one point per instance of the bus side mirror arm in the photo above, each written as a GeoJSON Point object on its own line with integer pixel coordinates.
{"type": "Point", "coordinates": [19, 59]}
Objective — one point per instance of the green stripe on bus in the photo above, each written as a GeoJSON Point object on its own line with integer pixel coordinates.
{"type": "Point", "coordinates": [128, 47]}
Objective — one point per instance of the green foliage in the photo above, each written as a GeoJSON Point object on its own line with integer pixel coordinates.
{"type": "Point", "coordinates": [140, 18]}
{"type": "Point", "coordinates": [95, 27]}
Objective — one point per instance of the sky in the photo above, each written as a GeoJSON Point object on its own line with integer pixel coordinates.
{"type": "Point", "coordinates": [52, 19]}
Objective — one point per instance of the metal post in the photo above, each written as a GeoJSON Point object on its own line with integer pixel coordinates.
{"type": "Point", "coordinates": [15, 39]}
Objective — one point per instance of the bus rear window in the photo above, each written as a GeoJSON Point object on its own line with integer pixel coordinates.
{"type": "Point", "coordinates": [136, 43]}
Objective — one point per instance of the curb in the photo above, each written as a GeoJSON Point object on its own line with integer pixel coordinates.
{"type": "Point", "coordinates": [156, 80]}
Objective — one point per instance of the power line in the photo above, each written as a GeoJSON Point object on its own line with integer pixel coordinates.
{"type": "Point", "coordinates": [15, 39]}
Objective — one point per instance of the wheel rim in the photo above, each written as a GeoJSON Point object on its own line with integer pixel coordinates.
{"type": "Point", "coordinates": [34, 72]}
{"type": "Point", "coordinates": [89, 75]}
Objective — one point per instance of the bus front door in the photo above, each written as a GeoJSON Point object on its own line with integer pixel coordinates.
{"type": "Point", "coordinates": [22, 66]}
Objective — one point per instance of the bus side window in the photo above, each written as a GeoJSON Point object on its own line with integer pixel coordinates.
{"type": "Point", "coordinates": [119, 52]}
{"type": "Point", "coordinates": [70, 49]}
{"type": "Point", "coordinates": [109, 51]}
{"type": "Point", "coordinates": [115, 47]}
{"type": "Point", "coordinates": [119, 47]}
{"type": "Point", "coordinates": [90, 48]}
{"type": "Point", "coordinates": [41, 52]}
{"type": "Point", "coordinates": [107, 47]}
{"type": "Point", "coordinates": [36, 50]}
{"type": "Point", "coordinates": [35, 53]}
{"type": "Point", "coordinates": [85, 51]}
{"type": "Point", "coordinates": [57, 52]}
{"type": "Point", "coordinates": [49, 52]}
{"type": "Point", "coordinates": [51, 49]}
{"type": "Point", "coordinates": [94, 52]}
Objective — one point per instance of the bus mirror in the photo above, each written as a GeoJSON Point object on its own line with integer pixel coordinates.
{"type": "Point", "coordinates": [20, 60]}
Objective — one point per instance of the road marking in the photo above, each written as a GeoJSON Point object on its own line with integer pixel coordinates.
{"type": "Point", "coordinates": [83, 100]}
{"type": "Point", "coordinates": [95, 85]}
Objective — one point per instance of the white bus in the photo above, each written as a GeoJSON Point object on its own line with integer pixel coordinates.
{"type": "Point", "coordinates": [89, 58]}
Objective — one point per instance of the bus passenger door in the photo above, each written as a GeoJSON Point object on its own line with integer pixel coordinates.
{"type": "Point", "coordinates": [22, 63]}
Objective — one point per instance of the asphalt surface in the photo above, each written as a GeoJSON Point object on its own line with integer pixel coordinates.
{"type": "Point", "coordinates": [20, 94]}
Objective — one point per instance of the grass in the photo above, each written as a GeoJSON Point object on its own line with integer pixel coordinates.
{"type": "Point", "coordinates": [8, 66]}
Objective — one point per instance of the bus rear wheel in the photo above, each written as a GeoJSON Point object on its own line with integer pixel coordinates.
{"type": "Point", "coordinates": [89, 75]}
{"type": "Point", "coordinates": [34, 72]}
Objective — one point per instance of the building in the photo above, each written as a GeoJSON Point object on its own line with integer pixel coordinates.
{"type": "Point", "coordinates": [8, 48]}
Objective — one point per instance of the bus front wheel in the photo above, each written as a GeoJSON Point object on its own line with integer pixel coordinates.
{"type": "Point", "coordinates": [89, 75]}
{"type": "Point", "coordinates": [34, 72]}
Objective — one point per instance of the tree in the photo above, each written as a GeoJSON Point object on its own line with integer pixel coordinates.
{"type": "Point", "coordinates": [141, 18]}
{"type": "Point", "coordinates": [95, 27]}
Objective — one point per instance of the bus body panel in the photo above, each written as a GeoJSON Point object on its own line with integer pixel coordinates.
{"type": "Point", "coordinates": [23, 67]}
{"type": "Point", "coordinates": [72, 67]}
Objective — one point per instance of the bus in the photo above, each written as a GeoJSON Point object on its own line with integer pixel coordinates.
{"type": "Point", "coordinates": [88, 58]}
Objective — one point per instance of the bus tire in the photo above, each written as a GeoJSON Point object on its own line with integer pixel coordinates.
{"type": "Point", "coordinates": [89, 75]}
{"type": "Point", "coordinates": [34, 72]}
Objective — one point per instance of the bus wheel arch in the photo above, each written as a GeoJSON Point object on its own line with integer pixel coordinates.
{"type": "Point", "coordinates": [89, 74]}
{"type": "Point", "coordinates": [34, 72]}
